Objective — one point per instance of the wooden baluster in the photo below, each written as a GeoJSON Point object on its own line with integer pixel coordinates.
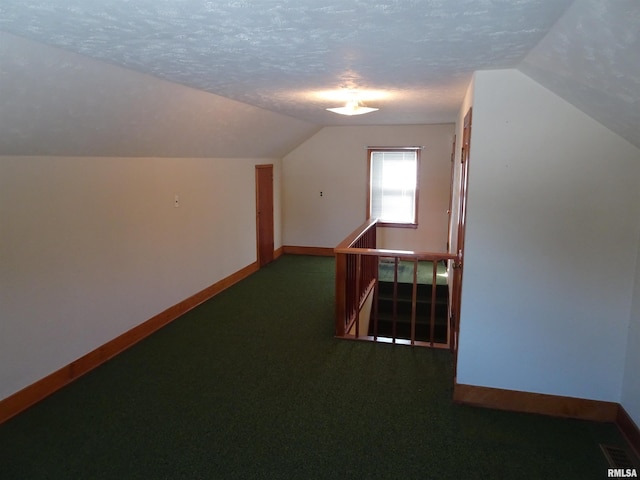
{"type": "Point", "coordinates": [434, 285]}
{"type": "Point", "coordinates": [376, 296]}
{"type": "Point", "coordinates": [352, 282]}
{"type": "Point", "coordinates": [341, 290]}
{"type": "Point", "coordinates": [349, 287]}
{"type": "Point", "coordinates": [357, 296]}
{"type": "Point", "coordinates": [395, 299]}
{"type": "Point", "coordinates": [414, 295]}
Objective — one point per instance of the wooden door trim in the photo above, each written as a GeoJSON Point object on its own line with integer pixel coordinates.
{"type": "Point", "coordinates": [451, 192]}
{"type": "Point", "coordinates": [261, 261]}
{"type": "Point", "coordinates": [460, 241]}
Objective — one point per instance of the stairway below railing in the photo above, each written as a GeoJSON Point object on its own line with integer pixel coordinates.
{"type": "Point", "coordinates": [419, 317]}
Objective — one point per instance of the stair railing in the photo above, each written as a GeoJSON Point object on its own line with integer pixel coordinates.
{"type": "Point", "coordinates": [355, 276]}
{"type": "Point", "coordinates": [357, 266]}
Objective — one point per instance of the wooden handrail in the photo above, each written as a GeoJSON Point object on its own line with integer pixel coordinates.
{"type": "Point", "coordinates": [357, 234]}
{"type": "Point", "coordinates": [357, 263]}
{"type": "Point", "coordinates": [404, 254]}
{"type": "Point", "coordinates": [354, 278]}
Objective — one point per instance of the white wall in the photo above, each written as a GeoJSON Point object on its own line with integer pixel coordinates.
{"type": "Point", "coordinates": [552, 237]}
{"type": "Point", "coordinates": [91, 247]}
{"type": "Point", "coordinates": [334, 162]}
{"type": "Point", "coordinates": [631, 385]}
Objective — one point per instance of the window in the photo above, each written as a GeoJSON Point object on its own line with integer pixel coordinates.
{"type": "Point", "coordinates": [393, 185]}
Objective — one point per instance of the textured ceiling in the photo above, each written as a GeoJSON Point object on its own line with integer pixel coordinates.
{"type": "Point", "coordinates": [199, 78]}
{"type": "Point", "coordinates": [591, 58]}
{"type": "Point", "coordinates": [54, 102]}
{"type": "Point", "coordinates": [277, 54]}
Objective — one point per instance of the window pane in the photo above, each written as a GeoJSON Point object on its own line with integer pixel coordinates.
{"type": "Point", "coordinates": [393, 185]}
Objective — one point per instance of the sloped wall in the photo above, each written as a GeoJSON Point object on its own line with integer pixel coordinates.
{"type": "Point", "coordinates": [54, 102]}
{"type": "Point", "coordinates": [92, 247]}
{"type": "Point", "coordinates": [586, 59]}
{"type": "Point", "coordinates": [552, 237]}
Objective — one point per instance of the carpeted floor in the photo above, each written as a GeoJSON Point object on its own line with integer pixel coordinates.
{"type": "Point", "coordinates": [405, 272]}
{"type": "Point", "coordinates": [253, 385]}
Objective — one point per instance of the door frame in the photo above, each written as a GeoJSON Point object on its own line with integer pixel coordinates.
{"type": "Point", "coordinates": [264, 214]}
{"type": "Point", "coordinates": [452, 188]}
{"type": "Point", "coordinates": [458, 263]}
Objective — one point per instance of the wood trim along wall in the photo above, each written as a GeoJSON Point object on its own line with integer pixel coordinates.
{"type": "Point", "coordinates": [558, 406]}
{"type": "Point", "coordinates": [535, 403]}
{"type": "Point", "coordinates": [318, 251]}
{"type": "Point", "coordinates": [44, 387]}
{"type": "Point", "coordinates": [629, 429]}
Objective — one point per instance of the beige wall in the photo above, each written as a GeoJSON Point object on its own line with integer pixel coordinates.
{"type": "Point", "coordinates": [552, 236]}
{"type": "Point", "coordinates": [334, 162]}
{"type": "Point", "coordinates": [91, 247]}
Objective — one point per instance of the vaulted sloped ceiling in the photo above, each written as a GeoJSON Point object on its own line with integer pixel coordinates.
{"type": "Point", "coordinates": [243, 77]}
{"type": "Point", "coordinates": [53, 102]}
{"type": "Point", "coordinates": [591, 58]}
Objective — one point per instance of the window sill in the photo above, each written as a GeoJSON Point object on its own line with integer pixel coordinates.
{"type": "Point", "coordinates": [397, 225]}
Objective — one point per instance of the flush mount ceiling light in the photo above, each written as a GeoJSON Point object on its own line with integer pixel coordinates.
{"type": "Point", "coordinates": [352, 107]}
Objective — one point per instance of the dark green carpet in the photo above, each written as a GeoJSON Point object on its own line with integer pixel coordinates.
{"type": "Point", "coordinates": [252, 384]}
{"type": "Point", "coordinates": [405, 272]}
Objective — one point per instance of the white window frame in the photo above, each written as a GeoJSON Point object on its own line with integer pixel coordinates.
{"type": "Point", "coordinates": [398, 190]}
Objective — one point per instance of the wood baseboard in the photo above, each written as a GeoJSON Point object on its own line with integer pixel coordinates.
{"type": "Point", "coordinates": [629, 429]}
{"type": "Point", "coordinates": [554, 405]}
{"type": "Point", "coordinates": [44, 387]}
{"type": "Point", "coordinates": [317, 251]}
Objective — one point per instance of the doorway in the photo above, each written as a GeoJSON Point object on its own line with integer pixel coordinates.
{"type": "Point", "coordinates": [264, 214]}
